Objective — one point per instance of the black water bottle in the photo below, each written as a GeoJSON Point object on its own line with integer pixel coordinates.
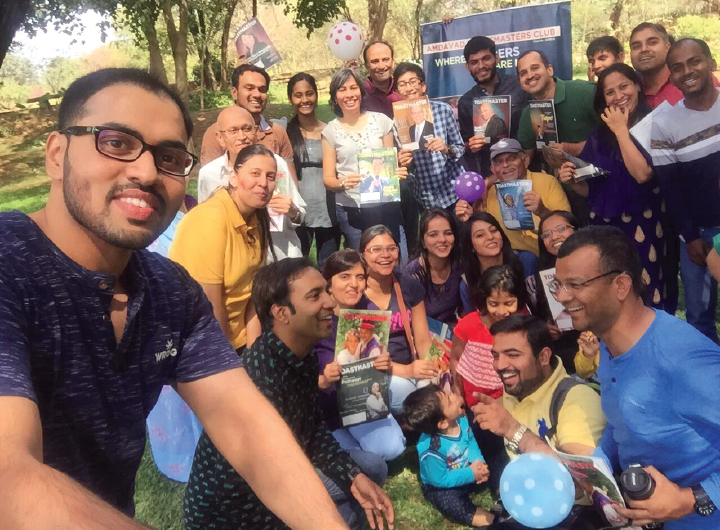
{"type": "Point", "coordinates": [638, 485]}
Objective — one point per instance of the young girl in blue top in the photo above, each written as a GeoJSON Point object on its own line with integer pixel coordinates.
{"type": "Point", "coordinates": [451, 464]}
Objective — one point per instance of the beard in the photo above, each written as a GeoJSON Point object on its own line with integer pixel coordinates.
{"type": "Point", "coordinates": [493, 73]}
{"type": "Point", "coordinates": [76, 194]}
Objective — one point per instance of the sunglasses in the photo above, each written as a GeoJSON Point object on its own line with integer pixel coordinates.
{"type": "Point", "coordinates": [123, 146]}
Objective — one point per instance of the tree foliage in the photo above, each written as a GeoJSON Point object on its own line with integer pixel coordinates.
{"type": "Point", "coordinates": [313, 14]}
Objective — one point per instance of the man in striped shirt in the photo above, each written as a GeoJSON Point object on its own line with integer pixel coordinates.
{"type": "Point", "coordinates": [685, 152]}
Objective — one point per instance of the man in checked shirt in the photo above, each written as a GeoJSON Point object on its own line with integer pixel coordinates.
{"type": "Point", "coordinates": [438, 164]}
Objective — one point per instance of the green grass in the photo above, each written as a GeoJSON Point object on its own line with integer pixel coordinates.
{"type": "Point", "coordinates": [158, 500]}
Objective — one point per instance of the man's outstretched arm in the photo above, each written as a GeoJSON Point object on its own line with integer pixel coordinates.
{"type": "Point", "coordinates": [35, 496]}
{"type": "Point", "coordinates": [252, 436]}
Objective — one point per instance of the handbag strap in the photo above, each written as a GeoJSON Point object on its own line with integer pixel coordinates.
{"type": "Point", "coordinates": [405, 319]}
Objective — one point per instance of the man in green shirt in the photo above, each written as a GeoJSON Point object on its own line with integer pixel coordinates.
{"type": "Point", "coordinates": [575, 116]}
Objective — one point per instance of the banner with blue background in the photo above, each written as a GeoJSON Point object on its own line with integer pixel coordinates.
{"type": "Point", "coordinates": [544, 27]}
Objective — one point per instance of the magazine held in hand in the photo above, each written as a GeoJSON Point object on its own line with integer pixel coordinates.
{"type": "Point", "coordinates": [282, 187]}
{"type": "Point", "coordinates": [543, 122]}
{"type": "Point", "coordinates": [362, 390]}
{"type": "Point", "coordinates": [491, 117]}
{"type": "Point", "coordinates": [513, 213]}
{"type": "Point", "coordinates": [378, 169]}
{"type": "Point", "coordinates": [583, 170]}
{"type": "Point", "coordinates": [254, 45]}
{"type": "Point", "coordinates": [414, 123]}
{"type": "Point", "coordinates": [559, 313]}
{"type": "Point", "coordinates": [441, 336]}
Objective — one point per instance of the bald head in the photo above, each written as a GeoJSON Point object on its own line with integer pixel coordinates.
{"type": "Point", "coordinates": [236, 129]}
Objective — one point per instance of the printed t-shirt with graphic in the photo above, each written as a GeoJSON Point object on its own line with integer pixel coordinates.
{"type": "Point", "coordinates": [476, 363]}
{"type": "Point", "coordinates": [445, 460]}
{"type": "Point", "coordinates": [58, 349]}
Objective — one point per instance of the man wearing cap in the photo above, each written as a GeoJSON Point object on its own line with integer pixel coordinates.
{"type": "Point", "coordinates": [369, 342]}
{"type": "Point", "coordinates": [509, 162]}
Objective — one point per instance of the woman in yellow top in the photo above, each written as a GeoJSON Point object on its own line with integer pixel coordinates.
{"type": "Point", "coordinates": [223, 242]}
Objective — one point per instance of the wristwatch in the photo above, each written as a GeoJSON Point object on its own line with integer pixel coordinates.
{"type": "Point", "coordinates": [703, 505]}
{"type": "Point", "coordinates": [353, 473]}
{"type": "Point", "coordinates": [514, 444]}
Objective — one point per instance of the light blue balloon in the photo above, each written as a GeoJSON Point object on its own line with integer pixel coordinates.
{"type": "Point", "coordinates": [537, 490]}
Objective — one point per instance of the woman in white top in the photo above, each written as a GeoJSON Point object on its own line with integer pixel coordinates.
{"type": "Point", "coordinates": [355, 130]}
{"type": "Point", "coordinates": [375, 403]}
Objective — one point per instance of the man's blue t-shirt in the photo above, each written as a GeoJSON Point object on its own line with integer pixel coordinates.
{"type": "Point", "coordinates": [662, 402]}
{"type": "Point", "coordinates": [58, 348]}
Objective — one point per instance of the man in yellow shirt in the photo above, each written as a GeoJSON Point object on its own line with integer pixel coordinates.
{"type": "Point", "coordinates": [509, 162]}
{"type": "Point", "coordinates": [523, 358]}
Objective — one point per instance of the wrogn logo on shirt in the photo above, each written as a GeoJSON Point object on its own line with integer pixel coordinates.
{"type": "Point", "coordinates": [169, 351]}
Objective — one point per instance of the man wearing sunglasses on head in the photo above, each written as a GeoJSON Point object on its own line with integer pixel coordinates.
{"type": "Point", "coordinates": [659, 379]}
{"type": "Point", "coordinates": [92, 326]}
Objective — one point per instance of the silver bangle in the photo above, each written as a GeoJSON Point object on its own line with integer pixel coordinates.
{"type": "Point", "coordinates": [514, 444]}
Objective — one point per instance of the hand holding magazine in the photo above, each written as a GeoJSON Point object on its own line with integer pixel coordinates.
{"type": "Point", "coordinates": [379, 181]}
{"type": "Point", "coordinates": [441, 336]}
{"type": "Point", "coordinates": [414, 123]}
{"type": "Point", "coordinates": [583, 170]}
{"type": "Point", "coordinates": [593, 476]}
{"type": "Point", "coordinates": [513, 213]}
{"type": "Point", "coordinates": [362, 390]}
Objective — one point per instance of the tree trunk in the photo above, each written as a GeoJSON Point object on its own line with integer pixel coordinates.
{"type": "Point", "coordinates": [210, 79]}
{"type": "Point", "coordinates": [202, 80]}
{"type": "Point", "coordinates": [202, 42]}
{"type": "Point", "coordinates": [417, 46]}
{"type": "Point", "coordinates": [377, 17]}
{"type": "Point", "coordinates": [178, 44]}
{"type": "Point", "coordinates": [157, 66]}
{"type": "Point", "coordinates": [224, 42]}
{"type": "Point", "coordinates": [615, 15]}
{"type": "Point", "coordinates": [12, 14]}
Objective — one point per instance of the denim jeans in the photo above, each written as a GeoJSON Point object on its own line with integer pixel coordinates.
{"type": "Point", "coordinates": [353, 221]}
{"type": "Point", "coordinates": [381, 437]}
{"type": "Point", "coordinates": [700, 289]}
{"type": "Point", "coordinates": [399, 389]}
{"type": "Point", "coordinates": [350, 510]}
{"type": "Point", "coordinates": [327, 241]}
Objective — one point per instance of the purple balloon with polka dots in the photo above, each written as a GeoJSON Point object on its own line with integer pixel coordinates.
{"type": "Point", "coordinates": [469, 186]}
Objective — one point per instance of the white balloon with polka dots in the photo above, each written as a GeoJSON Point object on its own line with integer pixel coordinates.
{"type": "Point", "coordinates": [345, 41]}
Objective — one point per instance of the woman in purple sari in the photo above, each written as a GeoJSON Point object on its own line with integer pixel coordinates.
{"type": "Point", "coordinates": [628, 197]}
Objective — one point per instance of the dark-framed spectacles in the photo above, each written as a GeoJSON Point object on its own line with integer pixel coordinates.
{"type": "Point", "coordinates": [123, 146]}
{"type": "Point", "coordinates": [574, 287]}
{"type": "Point", "coordinates": [414, 82]}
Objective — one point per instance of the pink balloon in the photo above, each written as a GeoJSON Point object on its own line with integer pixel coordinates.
{"type": "Point", "coordinates": [469, 186]}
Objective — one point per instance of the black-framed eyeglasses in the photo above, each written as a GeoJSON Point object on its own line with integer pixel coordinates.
{"type": "Point", "coordinates": [414, 82]}
{"type": "Point", "coordinates": [574, 287]}
{"type": "Point", "coordinates": [123, 146]}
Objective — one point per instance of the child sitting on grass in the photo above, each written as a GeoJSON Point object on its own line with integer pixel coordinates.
{"type": "Point", "coordinates": [451, 464]}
